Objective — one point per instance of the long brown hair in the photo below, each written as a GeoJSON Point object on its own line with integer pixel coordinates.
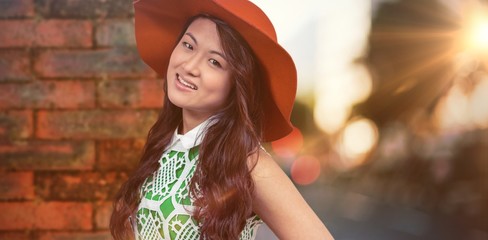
{"type": "Point", "coordinates": [221, 187]}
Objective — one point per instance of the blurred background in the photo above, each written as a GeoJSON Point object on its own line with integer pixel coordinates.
{"type": "Point", "coordinates": [391, 138]}
{"type": "Point", "coordinates": [391, 115]}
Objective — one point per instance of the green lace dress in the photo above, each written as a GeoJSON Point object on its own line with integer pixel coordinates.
{"type": "Point", "coordinates": [165, 208]}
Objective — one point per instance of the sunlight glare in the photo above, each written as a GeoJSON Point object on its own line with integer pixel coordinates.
{"type": "Point", "coordinates": [479, 34]}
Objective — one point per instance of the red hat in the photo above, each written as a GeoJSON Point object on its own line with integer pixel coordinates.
{"type": "Point", "coordinates": [158, 24]}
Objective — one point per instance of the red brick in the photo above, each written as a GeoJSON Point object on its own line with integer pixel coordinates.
{"type": "Point", "coordinates": [94, 124]}
{"type": "Point", "coordinates": [49, 33]}
{"type": "Point", "coordinates": [66, 33]}
{"type": "Point", "coordinates": [79, 186]}
{"type": "Point", "coordinates": [85, 8]}
{"type": "Point", "coordinates": [16, 124]}
{"type": "Point", "coordinates": [15, 65]}
{"type": "Point", "coordinates": [16, 185]}
{"type": "Point", "coordinates": [119, 154]}
{"type": "Point", "coordinates": [16, 216]}
{"type": "Point", "coordinates": [48, 94]}
{"type": "Point", "coordinates": [105, 235]}
{"type": "Point", "coordinates": [45, 216]}
{"type": "Point", "coordinates": [103, 211]}
{"type": "Point", "coordinates": [115, 33]}
{"type": "Point", "coordinates": [16, 8]}
{"type": "Point", "coordinates": [37, 155]}
{"type": "Point", "coordinates": [64, 216]}
{"type": "Point", "coordinates": [20, 235]}
{"type": "Point", "coordinates": [116, 62]}
{"type": "Point", "coordinates": [131, 93]}
{"type": "Point", "coordinates": [17, 33]}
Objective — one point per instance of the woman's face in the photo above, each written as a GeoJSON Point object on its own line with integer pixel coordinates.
{"type": "Point", "coordinates": [198, 74]}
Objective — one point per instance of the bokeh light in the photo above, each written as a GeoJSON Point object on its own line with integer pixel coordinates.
{"type": "Point", "coordinates": [356, 140]}
{"type": "Point", "coordinates": [329, 114]}
{"type": "Point", "coordinates": [289, 146]}
{"type": "Point", "coordinates": [359, 137]}
{"type": "Point", "coordinates": [305, 170]}
{"type": "Point", "coordinates": [453, 111]}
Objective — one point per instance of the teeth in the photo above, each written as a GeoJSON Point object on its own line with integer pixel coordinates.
{"type": "Point", "coordinates": [187, 84]}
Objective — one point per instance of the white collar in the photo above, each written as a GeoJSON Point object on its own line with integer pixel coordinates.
{"type": "Point", "coordinates": [193, 137]}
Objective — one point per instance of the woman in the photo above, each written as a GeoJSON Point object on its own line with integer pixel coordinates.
{"type": "Point", "coordinates": [229, 86]}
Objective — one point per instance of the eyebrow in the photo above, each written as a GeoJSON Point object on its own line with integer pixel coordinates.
{"type": "Point", "coordinates": [211, 51]}
{"type": "Point", "coordinates": [192, 37]}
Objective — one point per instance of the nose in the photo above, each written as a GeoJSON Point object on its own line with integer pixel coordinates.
{"type": "Point", "coordinates": [192, 65]}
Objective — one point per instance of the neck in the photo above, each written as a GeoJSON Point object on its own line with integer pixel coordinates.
{"type": "Point", "coordinates": [191, 120]}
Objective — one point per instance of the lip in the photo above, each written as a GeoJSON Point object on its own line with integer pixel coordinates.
{"type": "Point", "coordinates": [182, 86]}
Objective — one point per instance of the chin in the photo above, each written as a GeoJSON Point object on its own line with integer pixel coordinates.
{"type": "Point", "coordinates": [175, 101]}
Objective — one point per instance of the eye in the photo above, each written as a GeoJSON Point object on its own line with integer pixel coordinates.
{"type": "Point", "coordinates": [187, 45]}
{"type": "Point", "coordinates": [215, 63]}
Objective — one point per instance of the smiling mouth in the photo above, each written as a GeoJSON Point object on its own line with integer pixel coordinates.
{"type": "Point", "coordinates": [185, 83]}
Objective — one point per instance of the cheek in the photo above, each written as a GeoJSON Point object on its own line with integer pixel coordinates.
{"type": "Point", "coordinates": [176, 57]}
{"type": "Point", "coordinates": [226, 90]}
{"type": "Point", "coordinates": [225, 97]}
{"type": "Point", "coordinates": [224, 87]}
{"type": "Point", "coordinates": [172, 59]}
{"type": "Point", "coordinates": [219, 89]}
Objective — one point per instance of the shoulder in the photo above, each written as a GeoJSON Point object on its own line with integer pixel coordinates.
{"type": "Point", "coordinates": [269, 177]}
{"type": "Point", "coordinates": [273, 196]}
{"type": "Point", "coordinates": [263, 165]}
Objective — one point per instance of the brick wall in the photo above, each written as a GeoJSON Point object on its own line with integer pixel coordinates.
{"type": "Point", "coordinates": [76, 103]}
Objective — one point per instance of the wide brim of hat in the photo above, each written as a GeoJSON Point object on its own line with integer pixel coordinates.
{"type": "Point", "coordinates": [158, 23]}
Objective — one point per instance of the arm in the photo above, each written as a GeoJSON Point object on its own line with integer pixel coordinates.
{"type": "Point", "coordinates": [280, 205]}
